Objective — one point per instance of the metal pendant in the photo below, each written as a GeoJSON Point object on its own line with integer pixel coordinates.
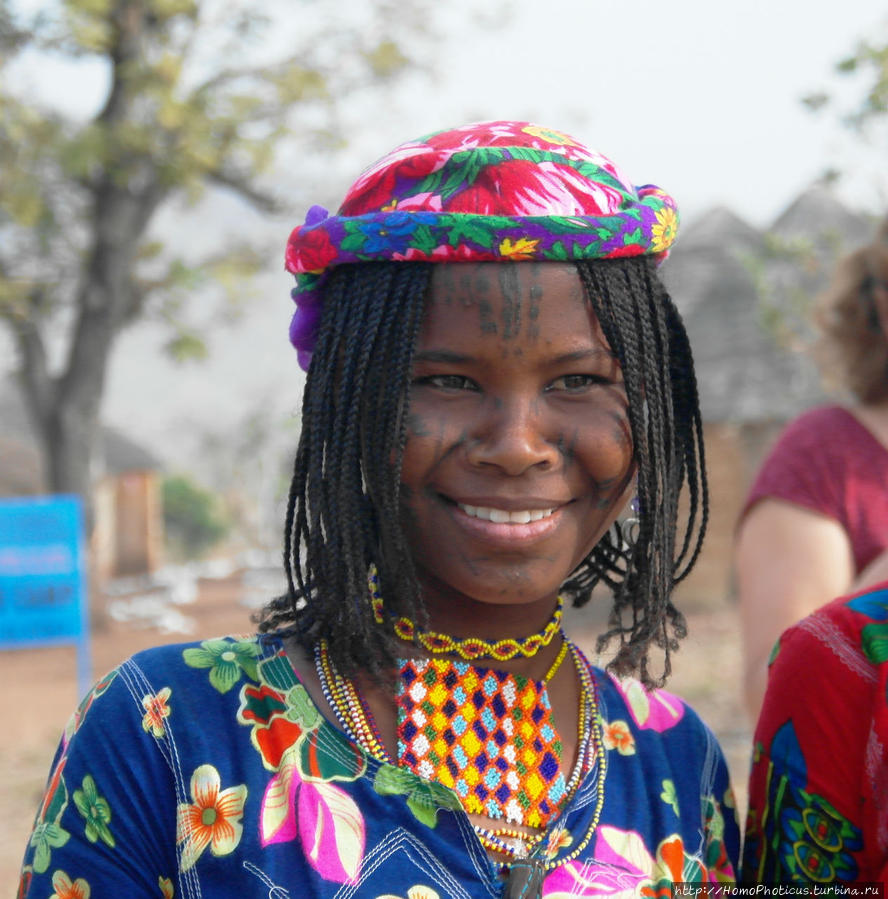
{"type": "Point", "coordinates": [525, 879]}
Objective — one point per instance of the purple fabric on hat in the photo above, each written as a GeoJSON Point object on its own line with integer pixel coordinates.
{"type": "Point", "coordinates": [492, 191]}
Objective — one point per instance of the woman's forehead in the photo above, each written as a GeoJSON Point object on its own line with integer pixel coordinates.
{"type": "Point", "coordinates": [510, 301]}
{"type": "Point", "coordinates": [467, 281]}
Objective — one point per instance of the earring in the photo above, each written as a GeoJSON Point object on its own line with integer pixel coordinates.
{"type": "Point", "coordinates": [632, 525]}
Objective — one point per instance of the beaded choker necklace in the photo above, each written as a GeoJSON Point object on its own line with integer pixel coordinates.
{"type": "Point", "coordinates": [468, 648]}
{"type": "Point", "coordinates": [486, 734]}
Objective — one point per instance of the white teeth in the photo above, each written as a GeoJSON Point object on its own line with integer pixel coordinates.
{"type": "Point", "coordinates": [501, 516]}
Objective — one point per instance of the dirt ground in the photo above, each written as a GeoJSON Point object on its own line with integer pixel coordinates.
{"type": "Point", "coordinates": [39, 693]}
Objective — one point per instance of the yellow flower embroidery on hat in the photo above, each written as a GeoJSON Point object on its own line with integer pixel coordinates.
{"type": "Point", "coordinates": [663, 232]}
{"type": "Point", "coordinates": [520, 249]}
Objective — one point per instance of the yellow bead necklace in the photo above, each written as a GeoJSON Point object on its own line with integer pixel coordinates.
{"type": "Point", "coordinates": [468, 648]}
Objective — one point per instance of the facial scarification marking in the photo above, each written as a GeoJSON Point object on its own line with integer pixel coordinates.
{"type": "Point", "coordinates": [485, 313]}
{"type": "Point", "coordinates": [621, 430]}
{"type": "Point", "coordinates": [533, 307]}
{"type": "Point", "coordinates": [416, 426]}
{"type": "Point", "coordinates": [511, 291]}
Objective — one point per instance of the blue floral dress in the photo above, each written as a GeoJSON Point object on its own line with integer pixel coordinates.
{"type": "Point", "coordinates": [206, 770]}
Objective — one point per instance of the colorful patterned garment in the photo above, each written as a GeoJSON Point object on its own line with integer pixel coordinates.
{"type": "Point", "coordinates": [206, 770]}
{"type": "Point", "coordinates": [817, 793]}
{"type": "Point", "coordinates": [489, 191]}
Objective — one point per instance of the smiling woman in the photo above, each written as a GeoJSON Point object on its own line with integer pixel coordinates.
{"type": "Point", "coordinates": [494, 369]}
{"type": "Point", "coordinates": [519, 453]}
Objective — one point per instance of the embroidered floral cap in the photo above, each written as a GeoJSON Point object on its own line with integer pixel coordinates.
{"type": "Point", "coordinates": [491, 191]}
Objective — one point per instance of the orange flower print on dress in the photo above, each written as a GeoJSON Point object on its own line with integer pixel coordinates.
{"type": "Point", "coordinates": [618, 736]}
{"type": "Point", "coordinates": [559, 839]}
{"type": "Point", "coordinates": [166, 887]}
{"type": "Point", "coordinates": [214, 819]}
{"type": "Point", "coordinates": [156, 710]}
{"type": "Point", "coordinates": [65, 889]}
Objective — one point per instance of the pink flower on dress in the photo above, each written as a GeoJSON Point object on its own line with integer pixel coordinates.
{"type": "Point", "coordinates": [651, 710]}
{"type": "Point", "coordinates": [625, 868]}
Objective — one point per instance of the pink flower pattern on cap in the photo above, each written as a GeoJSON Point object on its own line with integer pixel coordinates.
{"type": "Point", "coordinates": [491, 191]}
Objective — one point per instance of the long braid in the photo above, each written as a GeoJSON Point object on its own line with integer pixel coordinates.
{"type": "Point", "coordinates": [343, 502]}
{"type": "Point", "coordinates": [643, 328]}
{"type": "Point", "coordinates": [344, 506]}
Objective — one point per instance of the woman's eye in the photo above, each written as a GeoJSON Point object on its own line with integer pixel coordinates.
{"type": "Point", "coordinates": [448, 382]}
{"type": "Point", "coordinates": [574, 383]}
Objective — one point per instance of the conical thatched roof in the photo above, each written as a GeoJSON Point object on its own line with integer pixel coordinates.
{"type": "Point", "coordinates": [717, 273]}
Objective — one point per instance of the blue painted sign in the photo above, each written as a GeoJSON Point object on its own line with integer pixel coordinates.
{"type": "Point", "coordinates": [43, 598]}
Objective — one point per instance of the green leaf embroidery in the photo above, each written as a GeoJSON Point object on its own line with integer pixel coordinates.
{"type": "Point", "coordinates": [226, 659]}
{"type": "Point", "coordinates": [46, 837]}
{"type": "Point", "coordinates": [874, 641]}
{"type": "Point", "coordinates": [392, 781]}
{"type": "Point", "coordinates": [424, 799]}
{"type": "Point", "coordinates": [301, 709]}
{"type": "Point", "coordinates": [95, 810]}
{"type": "Point", "coordinates": [669, 796]}
{"type": "Point", "coordinates": [276, 672]}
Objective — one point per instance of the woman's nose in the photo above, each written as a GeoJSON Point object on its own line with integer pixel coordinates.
{"type": "Point", "coordinates": [512, 435]}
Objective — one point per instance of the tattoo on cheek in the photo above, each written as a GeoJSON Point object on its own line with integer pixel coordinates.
{"type": "Point", "coordinates": [606, 490]}
{"type": "Point", "coordinates": [566, 447]}
{"type": "Point", "coordinates": [416, 426]}
{"type": "Point", "coordinates": [622, 433]}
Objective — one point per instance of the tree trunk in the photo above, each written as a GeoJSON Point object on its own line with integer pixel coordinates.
{"type": "Point", "coordinates": [66, 409]}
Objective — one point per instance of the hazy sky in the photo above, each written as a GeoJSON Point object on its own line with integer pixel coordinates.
{"type": "Point", "coordinates": [700, 97]}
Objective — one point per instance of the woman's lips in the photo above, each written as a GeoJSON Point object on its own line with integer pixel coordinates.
{"type": "Point", "coordinates": [506, 526]}
{"type": "Point", "coordinates": [505, 516]}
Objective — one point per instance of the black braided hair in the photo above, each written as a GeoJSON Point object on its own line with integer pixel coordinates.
{"type": "Point", "coordinates": [344, 513]}
{"type": "Point", "coordinates": [645, 330]}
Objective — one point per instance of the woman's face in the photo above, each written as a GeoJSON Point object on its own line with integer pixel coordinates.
{"type": "Point", "coordinates": [519, 451]}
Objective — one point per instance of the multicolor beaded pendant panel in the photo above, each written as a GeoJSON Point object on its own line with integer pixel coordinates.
{"type": "Point", "coordinates": [487, 734]}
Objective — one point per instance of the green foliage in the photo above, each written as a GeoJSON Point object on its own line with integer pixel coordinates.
{"type": "Point", "coordinates": [192, 516]}
{"type": "Point", "coordinates": [195, 100]}
{"type": "Point", "coordinates": [867, 65]}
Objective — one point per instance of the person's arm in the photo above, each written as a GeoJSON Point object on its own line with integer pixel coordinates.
{"type": "Point", "coordinates": [788, 562]}
{"type": "Point", "coordinates": [107, 823]}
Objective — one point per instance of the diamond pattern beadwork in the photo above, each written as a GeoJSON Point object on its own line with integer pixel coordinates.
{"type": "Point", "coordinates": [487, 734]}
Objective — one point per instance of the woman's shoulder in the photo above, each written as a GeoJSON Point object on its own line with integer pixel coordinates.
{"type": "Point", "coordinates": [222, 656]}
{"type": "Point", "coordinates": [846, 620]}
{"type": "Point", "coordinates": [626, 704]}
{"type": "Point", "coordinates": [200, 669]}
{"type": "Point", "coordinates": [818, 424]}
